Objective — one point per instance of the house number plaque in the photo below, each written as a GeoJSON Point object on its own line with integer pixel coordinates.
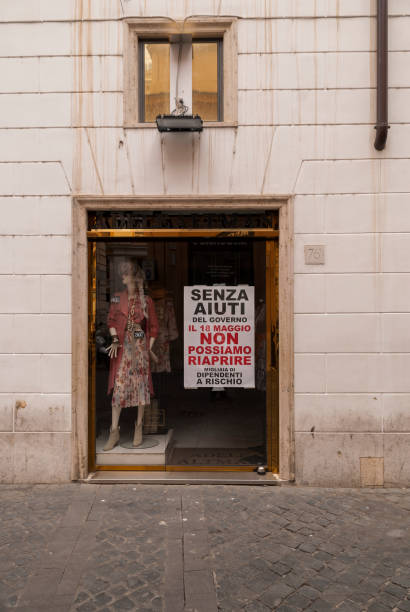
{"type": "Point", "coordinates": [314, 254]}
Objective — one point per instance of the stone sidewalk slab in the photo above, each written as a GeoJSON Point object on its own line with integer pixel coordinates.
{"type": "Point", "coordinates": [208, 548]}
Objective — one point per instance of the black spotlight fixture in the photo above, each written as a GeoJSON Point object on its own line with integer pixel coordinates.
{"type": "Point", "coordinates": [179, 121]}
{"type": "Point", "coordinates": [184, 123]}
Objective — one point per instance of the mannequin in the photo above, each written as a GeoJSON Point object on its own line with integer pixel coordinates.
{"type": "Point", "coordinates": [167, 332]}
{"type": "Point", "coordinates": [167, 328]}
{"type": "Point", "coordinates": [133, 328]}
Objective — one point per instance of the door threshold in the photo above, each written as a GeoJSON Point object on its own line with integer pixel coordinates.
{"type": "Point", "coordinates": [179, 478]}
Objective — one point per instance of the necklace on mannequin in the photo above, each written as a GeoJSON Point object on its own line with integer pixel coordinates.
{"type": "Point", "coordinates": [132, 303]}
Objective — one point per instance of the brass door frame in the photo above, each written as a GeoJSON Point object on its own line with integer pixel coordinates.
{"type": "Point", "coordinates": [271, 237]}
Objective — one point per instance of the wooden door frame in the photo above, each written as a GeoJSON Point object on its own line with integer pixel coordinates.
{"type": "Point", "coordinates": [80, 466]}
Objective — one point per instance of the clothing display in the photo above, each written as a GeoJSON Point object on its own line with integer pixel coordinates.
{"type": "Point", "coordinates": [130, 375]}
{"type": "Point", "coordinates": [164, 308]}
{"type": "Point", "coordinates": [200, 299]}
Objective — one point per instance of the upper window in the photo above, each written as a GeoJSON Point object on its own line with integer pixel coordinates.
{"type": "Point", "coordinates": [201, 69]}
{"type": "Point", "coordinates": [207, 85]}
{"type": "Point", "coordinates": [155, 72]}
{"type": "Point", "coordinates": [154, 79]}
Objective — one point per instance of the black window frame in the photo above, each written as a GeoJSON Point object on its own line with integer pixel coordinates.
{"type": "Point", "coordinates": [141, 73]}
{"type": "Point", "coordinates": [220, 100]}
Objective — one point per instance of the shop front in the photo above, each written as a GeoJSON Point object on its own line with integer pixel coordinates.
{"type": "Point", "coordinates": [183, 340]}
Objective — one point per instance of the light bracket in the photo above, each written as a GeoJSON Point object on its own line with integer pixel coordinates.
{"type": "Point", "coordinates": [179, 123]}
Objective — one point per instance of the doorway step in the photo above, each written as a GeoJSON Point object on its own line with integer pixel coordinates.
{"type": "Point", "coordinates": [179, 478]}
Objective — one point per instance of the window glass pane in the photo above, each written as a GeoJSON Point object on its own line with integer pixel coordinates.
{"type": "Point", "coordinates": [179, 355]}
{"type": "Point", "coordinates": [205, 80]}
{"type": "Point", "coordinates": [156, 71]}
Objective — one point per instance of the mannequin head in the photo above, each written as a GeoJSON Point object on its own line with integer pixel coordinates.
{"type": "Point", "coordinates": [130, 272]}
{"type": "Point", "coordinates": [133, 278]}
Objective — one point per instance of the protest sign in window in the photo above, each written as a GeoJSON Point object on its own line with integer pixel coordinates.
{"type": "Point", "coordinates": [219, 336]}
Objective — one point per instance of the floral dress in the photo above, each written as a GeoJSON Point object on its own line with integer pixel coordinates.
{"type": "Point", "coordinates": [167, 332]}
{"type": "Point", "coordinates": [132, 380]}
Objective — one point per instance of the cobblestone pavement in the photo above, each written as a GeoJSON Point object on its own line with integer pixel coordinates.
{"type": "Point", "coordinates": [87, 548]}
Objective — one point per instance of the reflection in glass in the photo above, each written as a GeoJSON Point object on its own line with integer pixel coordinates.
{"type": "Point", "coordinates": [156, 80]}
{"type": "Point", "coordinates": [143, 414]}
{"type": "Point", "coordinates": [205, 80]}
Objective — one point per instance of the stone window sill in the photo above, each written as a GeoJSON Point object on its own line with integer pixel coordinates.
{"type": "Point", "coordinates": [207, 124]}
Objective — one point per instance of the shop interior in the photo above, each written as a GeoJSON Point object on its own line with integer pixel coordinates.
{"type": "Point", "coordinates": [206, 427]}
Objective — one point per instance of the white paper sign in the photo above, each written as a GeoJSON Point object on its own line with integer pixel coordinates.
{"type": "Point", "coordinates": [219, 336]}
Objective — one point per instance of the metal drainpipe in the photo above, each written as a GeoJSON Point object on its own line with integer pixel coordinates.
{"type": "Point", "coordinates": [382, 126]}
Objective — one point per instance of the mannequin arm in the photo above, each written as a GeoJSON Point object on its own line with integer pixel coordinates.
{"type": "Point", "coordinates": [113, 348]}
{"type": "Point", "coordinates": [153, 355]}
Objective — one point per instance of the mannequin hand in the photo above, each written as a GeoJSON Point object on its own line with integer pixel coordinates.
{"type": "Point", "coordinates": [113, 348]}
{"type": "Point", "coordinates": [153, 356]}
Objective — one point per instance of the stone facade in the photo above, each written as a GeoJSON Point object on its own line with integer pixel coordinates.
{"type": "Point", "coordinates": [306, 109]}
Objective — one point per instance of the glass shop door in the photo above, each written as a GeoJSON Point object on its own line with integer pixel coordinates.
{"type": "Point", "coordinates": [183, 353]}
{"type": "Point", "coordinates": [218, 409]}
